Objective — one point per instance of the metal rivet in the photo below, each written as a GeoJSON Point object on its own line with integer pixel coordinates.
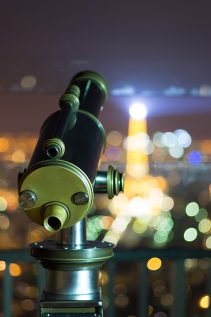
{"type": "Point", "coordinates": [27, 199]}
{"type": "Point", "coordinates": [80, 198]}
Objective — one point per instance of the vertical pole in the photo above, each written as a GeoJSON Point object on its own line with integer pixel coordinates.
{"type": "Point", "coordinates": [143, 289]}
{"type": "Point", "coordinates": [74, 236]}
{"type": "Point", "coordinates": [7, 292]}
{"type": "Point", "coordinates": [209, 291]}
{"type": "Point", "coordinates": [41, 278]}
{"type": "Point", "coordinates": [178, 283]}
{"type": "Point", "coordinates": [111, 269]}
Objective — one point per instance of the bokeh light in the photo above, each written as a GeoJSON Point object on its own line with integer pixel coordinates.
{"type": "Point", "coordinates": [4, 222]}
{"type": "Point", "coordinates": [114, 138]}
{"type": "Point", "coordinates": [169, 139]}
{"type": "Point", "coordinates": [176, 151]}
{"type": "Point", "coordinates": [208, 242]}
{"type": "Point", "coordinates": [183, 138]}
{"type": "Point", "coordinates": [154, 264]}
{"type": "Point", "coordinates": [204, 301]}
{"type": "Point", "coordinates": [190, 234]}
{"type": "Point", "coordinates": [204, 225]}
{"type": "Point", "coordinates": [138, 111]}
{"type": "Point", "coordinates": [15, 269]}
{"type": "Point", "coordinates": [28, 82]}
{"type": "Point", "coordinates": [192, 209]}
{"type": "Point", "coordinates": [2, 265]}
{"type": "Point", "coordinates": [194, 158]}
{"type": "Point", "coordinates": [3, 204]}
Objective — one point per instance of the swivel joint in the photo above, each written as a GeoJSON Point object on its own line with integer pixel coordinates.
{"type": "Point", "coordinates": [110, 182]}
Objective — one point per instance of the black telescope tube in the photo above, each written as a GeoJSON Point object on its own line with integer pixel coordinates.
{"type": "Point", "coordinates": [85, 139]}
{"type": "Point", "coordinates": [93, 91]}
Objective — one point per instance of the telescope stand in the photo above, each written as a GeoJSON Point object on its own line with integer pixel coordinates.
{"type": "Point", "coordinates": [72, 273]}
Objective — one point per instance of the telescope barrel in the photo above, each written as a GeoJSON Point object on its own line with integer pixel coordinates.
{"type": "Point", "coordinates": [63, 167]}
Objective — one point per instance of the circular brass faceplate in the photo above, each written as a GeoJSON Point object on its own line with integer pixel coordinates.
{"type": "Point", "coordinates": [56, 182]}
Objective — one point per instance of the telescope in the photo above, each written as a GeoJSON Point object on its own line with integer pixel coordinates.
{"type": "Point", "coordinates": [57, 192]}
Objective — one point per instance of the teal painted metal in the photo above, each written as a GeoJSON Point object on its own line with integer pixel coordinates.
{"type": "Point", "coordinates": [7, 292]}
{"type": "Point", "coordinates": [143, 290]}
{"type": "Point", "coordinates": [111, 269]}
{"type": "Point", "coordinates": [209, 290]}
{"type": "Point", "coordinates": [179, 289]}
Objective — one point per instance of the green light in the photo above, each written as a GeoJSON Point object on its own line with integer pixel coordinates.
{"type": "Point", "coordinates": [192, 209]}
{"type": "Point", "coordinates": [204, 225]}
{"type": "Point", "coordinates": [190, 234]}
{"type": "Point", "coordinates": [165, 225]}
{"type": "Point", "coordinates": [202, 214]}
{"type": "Point", "coordinates": [139, 226]}
{"type": "Point", "coordinates": [160, 238]}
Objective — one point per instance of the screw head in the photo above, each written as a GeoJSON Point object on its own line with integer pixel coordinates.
{"type": "Point", "coordinates": [80, 198]}
{"type": "Point", "coordinates": [27, 199]}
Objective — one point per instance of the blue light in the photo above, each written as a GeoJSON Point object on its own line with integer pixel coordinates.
{"type": "Point", "coordinates": [194, 158]}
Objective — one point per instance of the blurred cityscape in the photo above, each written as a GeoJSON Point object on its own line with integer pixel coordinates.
{"type": "Point", "coordinates": [166, 204]}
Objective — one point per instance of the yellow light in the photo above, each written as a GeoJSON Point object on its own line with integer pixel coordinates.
{"type": "Point", "coordinates": [204, 302]}
{"type": "Point", "coordinates": [162, 183]}
{"type": "Point", "coordinates": [208, 242]}
{"type": "Point", "coordinates": [118, 204]}
{"type": "Point", "coordinates": [2, 265]}
{"type": "Point", "coordinates": [4, 144]}
{"type": "Point", "coordinates": [139, 226]}
{"type": "Point", "coordinates": [137, 160]}
{"type": "Point", "coordinates": [112, 237]}
{"type": "Point", "coordinates": [154, 264]}
{"type": "Point", "coordinates": [18, 156]}
{"type": "Point", "coordinates": [3, 204]}
{"type": "Point", "coordinates": [204, 225]}
{"type": "Point", "coordinates": [15, 269]}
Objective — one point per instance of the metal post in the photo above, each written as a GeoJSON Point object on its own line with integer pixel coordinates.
{"type": "Point", "coordinates": [209, 290]}
{"type": "Point", "coordinates": [143, 289]}
{"type": "Point", "coordinates": [74, 236]}
{"type": "Point", "coordinates": [7, 292]}
{"type": "Point", "coordinates": [40, 279]}
{"type": "Point", "coordinates": [178, 283]}
{"type": "Point", "coordinates": [111, 269]}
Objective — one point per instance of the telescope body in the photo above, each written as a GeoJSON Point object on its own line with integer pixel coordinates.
{"type": "Point", "coordinates": [57, 192]}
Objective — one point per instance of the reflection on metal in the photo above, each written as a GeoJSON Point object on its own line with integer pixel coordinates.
{"type": "Point", "coordinates": [27, 199]}
{"type": "Point", "coordinates": [111, 182]}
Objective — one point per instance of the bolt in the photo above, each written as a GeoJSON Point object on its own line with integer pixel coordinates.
{"type": "Point", "coordinates": [80, 198]}
{"type": "Point", "coordinates": [27, 199]}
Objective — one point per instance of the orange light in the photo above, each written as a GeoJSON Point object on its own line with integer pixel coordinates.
{"type": "Point", "coordinates": [106, 222]}
{"type": "Point", "coordinates": [206, 146]}
{"type": "Point", "coordinates": [2, 265]}
{"type": "Point", "coordinates": [4, 144]}
{"type": "Point", "coordinates": [18, 156]}
{"type": "Point", "coordinates": [154, 264]}
{"type": "Point", "coordinates": [15, 270]}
